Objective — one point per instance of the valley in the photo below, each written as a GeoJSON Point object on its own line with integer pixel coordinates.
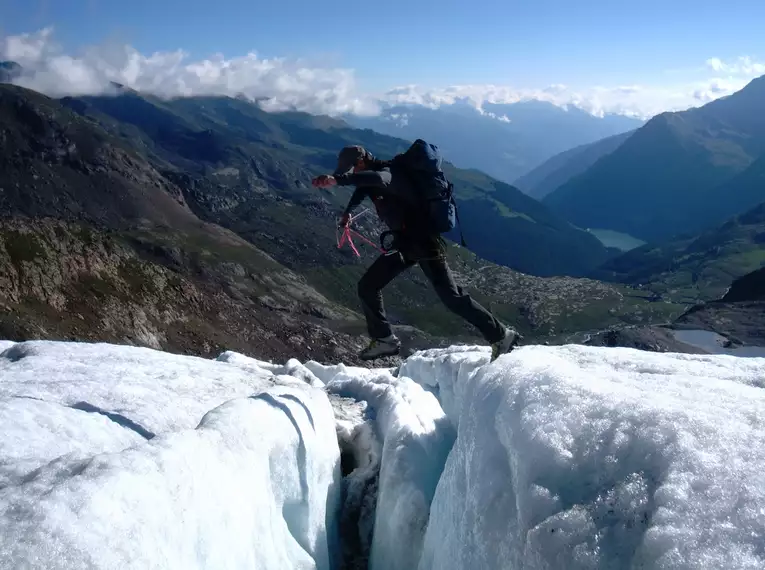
{"type": "Point", "coordinates": [179, 214]}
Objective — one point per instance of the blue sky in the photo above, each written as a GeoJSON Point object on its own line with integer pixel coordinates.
{"type": "Point", "coordinates": [433, 44]}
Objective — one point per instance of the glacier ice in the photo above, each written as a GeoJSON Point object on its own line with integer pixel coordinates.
{"type": "Point", "coordinates": [416, 438]}
{"type": "Point", "coordinates": [156, 390]}
{"type": "Point", "coordinates": [565, 457]}
{"type": "Point", "coordinates": [252, 483]}
{"type": "Point", "coordinates": [575, 457]}
{"type": "Point", "coordinates": [361, 452]}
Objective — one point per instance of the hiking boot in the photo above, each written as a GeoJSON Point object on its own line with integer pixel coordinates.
{"type": "Point", "coordinates": [507, 344]}
{"type": "Point", "coordinates": [379, 347]}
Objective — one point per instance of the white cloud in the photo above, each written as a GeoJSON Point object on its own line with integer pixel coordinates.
{"type": "Point", "coordinates": [641, 101]}
{"type": "Point", "coordinates": [743, 65]}
{"type": "Point", "coordinates": [27, 47]}
{"type": "Point", "coordinates": [280, 84]}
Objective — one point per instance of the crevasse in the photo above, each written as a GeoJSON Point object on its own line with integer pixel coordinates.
{"type": "Point", "coordinates": [569, 457]}
{"type": "Point", "coordinates": [550, 457]}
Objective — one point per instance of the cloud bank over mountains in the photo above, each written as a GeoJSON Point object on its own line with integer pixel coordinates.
{"type": "Point", "coordinates": [282, 84]}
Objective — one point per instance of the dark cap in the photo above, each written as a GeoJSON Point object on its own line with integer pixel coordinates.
{"type": "Point", "coordinates": [348, 158]}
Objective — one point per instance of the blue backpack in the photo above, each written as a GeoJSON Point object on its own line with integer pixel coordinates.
{"type": "Point", "coordinates": [422, 162]}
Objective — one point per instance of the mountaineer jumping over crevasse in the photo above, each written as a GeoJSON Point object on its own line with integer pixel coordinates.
{"type": "Point", "coordinates": [415, 200]}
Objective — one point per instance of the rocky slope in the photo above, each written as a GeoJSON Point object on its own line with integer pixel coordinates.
{"type": "Point", "coordinates": [739, 315]}
{"type": "Point", "coordinates": [742, 324]}
{"type": "Point", "coordinates": [67, 281]}
{"type": "Point", "coordinates": [750, 287]}
{"type": "Point", "coordinates": [650, 338]}
{"type": "Point", "coordinates": [734, 323]}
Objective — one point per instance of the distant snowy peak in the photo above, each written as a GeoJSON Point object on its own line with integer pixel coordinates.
{"type": "Point", "coordinates": [504, 140]}
{"type": "Point", "coordinates": [400, 115]}
{"type": "Point", "coordinates": [397, 118]}
{"type": "Point", "coordinates": [502, 110]}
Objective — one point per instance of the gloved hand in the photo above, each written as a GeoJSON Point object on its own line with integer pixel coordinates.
{"type": "Point", "coordinates": [344, 221]}
{"type": "Point", "coordinates": [324, 181]}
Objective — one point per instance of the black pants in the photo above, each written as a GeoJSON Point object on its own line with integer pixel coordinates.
{"type": "Point", "coordinates": [386, 267]}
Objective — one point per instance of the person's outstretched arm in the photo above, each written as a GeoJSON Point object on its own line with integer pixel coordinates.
{"type": "Point", "coordinates": [379, 179]}
{"type": "Point", "coordinates": [364, 180]}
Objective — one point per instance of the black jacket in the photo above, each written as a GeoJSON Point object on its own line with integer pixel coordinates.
{"type": "Point", "coordinates": [392, 194]}
{"type": "Point", "coordinates": [389, 190]}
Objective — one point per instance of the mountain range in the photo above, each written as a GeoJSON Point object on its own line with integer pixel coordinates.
{"type": "Point", "coordinates": [556, 171]}
{"type": "Point", "coordinates": [226, 146]}
{"type": "Point", "coordinates": [680, 173]}
{"type": "Point", "coordinates": [503, 140]}
{"type": "Point", "coordinates": [98, 245]}
{"type": "Point", "coordinates": [191, 225]}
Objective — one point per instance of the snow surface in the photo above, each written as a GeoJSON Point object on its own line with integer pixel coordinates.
{"type": "Point", "coordinates": [551, 457]}
{"type": "Point", "coordinates": [575, 457]}
{"type": "Point", "coordinates": [239, 471]}
{"type": "Point", "coordinates": [156, 390]}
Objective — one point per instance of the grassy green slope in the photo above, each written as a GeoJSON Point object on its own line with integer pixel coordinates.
{"type": "Point", "coordinates": [696, 268]}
